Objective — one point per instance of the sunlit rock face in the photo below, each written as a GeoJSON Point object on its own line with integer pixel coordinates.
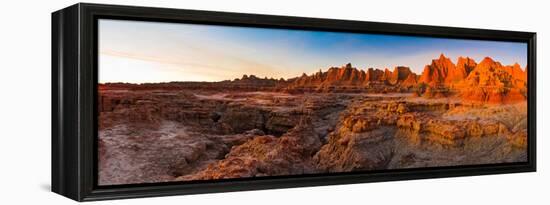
{"type": "Point", "coordinates": [494, 83]}
{"type": "Point", "coordinates": [343, 119]}
{"type": "Point", "coordinates": [347, 79]}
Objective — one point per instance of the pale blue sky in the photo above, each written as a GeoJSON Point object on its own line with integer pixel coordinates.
{"type": "Point", "coordinates": [136, 51]}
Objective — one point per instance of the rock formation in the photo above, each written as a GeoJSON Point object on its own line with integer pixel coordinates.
{"type": "Point", "coordinates": [267, 156]}
{"type": "Point", "coordinates": [463, 68]}
{"type": "Point", "coordinates": [345, 119]}
{"type": "Point", "coordinates": [488, 81]}
{"type": "Point", "coordinates": [437, 73]}
{"type": "Point", "coordinates": [375, 135]}
{"type": "Point", "coordinates": [350, 79]}
{"type": "Point", "coordinates": [492, 82]}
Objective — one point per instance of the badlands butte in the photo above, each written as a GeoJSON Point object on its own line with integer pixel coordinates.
{"type": "Point", "coordinates": [343, 119]}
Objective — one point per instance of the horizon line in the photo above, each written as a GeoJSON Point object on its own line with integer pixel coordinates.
{"type": "Point", "coordinates": [320, 70]}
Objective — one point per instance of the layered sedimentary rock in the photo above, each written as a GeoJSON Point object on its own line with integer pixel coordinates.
{"type": "Point", "coordinates": [351, 79]}
{"type": "Point", "coordinates": [401, 74]}
{"type": "Point", "coordinates": [443, 72]}
{"type": "Point", "coordinates": [344, 119]}
{"type": "Point", "coordinates": [289, 154]}
{"type": "Point", "coordinates": [437, 72]}
{"type": "Point", "coordinates": [399, 134]}
{"type": "Point", "coordinates": [463, 68]}
{"type": "Point", "coordinates": [492, 82]}
{"type": "Point", "coordinates": [488, 82]}
{"type": "Point", "coordinates": [168, 133]}
{"type": "Point", "coordinates": [262, 134]}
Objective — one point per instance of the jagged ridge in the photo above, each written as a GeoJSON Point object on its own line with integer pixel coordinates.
{"type": "Point", "coordinates": [488, 81]}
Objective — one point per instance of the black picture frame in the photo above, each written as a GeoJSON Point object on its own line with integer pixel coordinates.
{"type": "Point", "coordinates": [74, 93]}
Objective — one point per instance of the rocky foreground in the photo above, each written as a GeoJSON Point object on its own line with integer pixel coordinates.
{"type": "Point", "coordinates": [156, 136]}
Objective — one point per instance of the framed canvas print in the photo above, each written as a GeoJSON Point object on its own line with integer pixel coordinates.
{"type": "Point", "coordinates": [154, 101]}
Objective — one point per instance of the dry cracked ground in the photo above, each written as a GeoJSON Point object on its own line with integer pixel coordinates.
{"type": "Point", "coordinates": [148, 136]}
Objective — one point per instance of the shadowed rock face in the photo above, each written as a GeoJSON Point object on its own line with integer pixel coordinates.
{"type": "Point", "coordinates": [289, 154]}
{"type": "Point", "coordinates": [341, 120]}
{"type": "Point", "coordinates": [463, 68]}
{"type": "Point", "coordinates": [155, 136]}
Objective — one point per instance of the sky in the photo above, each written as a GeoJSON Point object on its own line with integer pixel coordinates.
{"type": "Point", "coordinates": [140, 52]}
